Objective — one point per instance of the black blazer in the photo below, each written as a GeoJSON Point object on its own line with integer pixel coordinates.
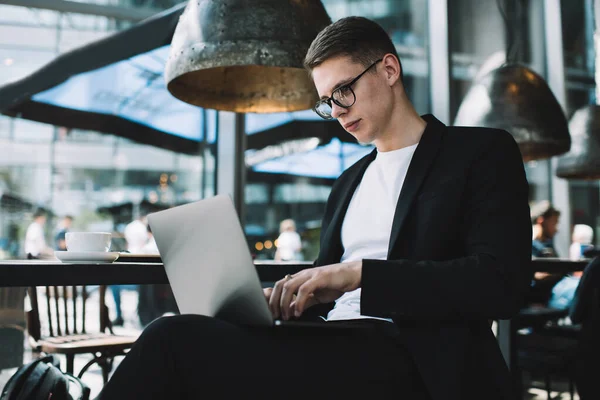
{"type": "Point", "coordinates": [459, 255]}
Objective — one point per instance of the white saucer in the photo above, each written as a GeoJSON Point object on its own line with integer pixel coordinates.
{"type": "Point", "coordinates": [86, 257]}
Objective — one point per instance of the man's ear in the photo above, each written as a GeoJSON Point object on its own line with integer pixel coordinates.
{"type": "Point", "coordinates": [539, 220]}
{"type": "Point", "coordinates": [392, 67]}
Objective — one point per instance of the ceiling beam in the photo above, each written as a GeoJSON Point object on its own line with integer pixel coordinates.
{"type": "Point", "coordinates": [116, 12]}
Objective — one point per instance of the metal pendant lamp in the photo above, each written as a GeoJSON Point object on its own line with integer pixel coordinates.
{"type": "Point", "coordinates": [583, 161]}
{"type": "Point", "coordinates": [515, 98]}
{"type": "Point", "coordinates": [245, 56]}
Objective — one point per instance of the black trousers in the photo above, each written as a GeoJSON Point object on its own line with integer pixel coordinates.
{"type": "Point", "coordinates": [193, 357]}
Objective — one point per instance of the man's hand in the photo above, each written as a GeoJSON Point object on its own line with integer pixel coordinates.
{"type": "Point", "coordinates": [293, 294]}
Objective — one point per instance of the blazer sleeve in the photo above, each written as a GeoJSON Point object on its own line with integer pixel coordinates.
{"type": "Point", "coordinates": [491, 280]}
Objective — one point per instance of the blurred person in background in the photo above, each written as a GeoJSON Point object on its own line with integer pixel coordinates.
{"type": "Point", "coordinates": [13, 240]}
{"type": "Point", "coordinates": [544, 220]}
{"type": "Point", "coordinates": [581, 241]}
{"type": "Point", "coordinates": [60, 239]}
{"type": "Point", "coordinates": [150, 246]}
{"type": "Point", "coordinates": [35, 238]}
{"type": "Point", "coordinates": [564, 291]}
{"type": "Point", "coordinates": [136, 235]}
{"type": "Point", "coordinates": [289, 243]}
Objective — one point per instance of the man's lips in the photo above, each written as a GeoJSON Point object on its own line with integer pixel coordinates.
{"type": "Point", "coordinates": [351, 125]}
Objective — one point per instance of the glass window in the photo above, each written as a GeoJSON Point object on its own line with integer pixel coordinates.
{"type": "Point", "coordinates": [578, 53]}
{"type": "Point", "coordinates": [5, 127]}
{"type": "Point", "coordinates": [16, 63]}
{"type": "Point", "coordinates": [476, 37]}
{"type": "Point", "coordinates": [257, 193]}
{"type": "Point", "coordinates": [14, 13]}
{"type": "Point", "coordinates": [31, 131]}
{"type": "Point", "coordinates": [72, 38]}
{"type": "Point", "coordinates": [18, 37]}
{"type": "Point", "coordinates": [539, 184]}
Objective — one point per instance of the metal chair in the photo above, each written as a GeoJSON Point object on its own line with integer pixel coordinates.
{"type": "Point", "coordinates": [66, 332]}
{"type": "Point", "coordinates": [543, 352]}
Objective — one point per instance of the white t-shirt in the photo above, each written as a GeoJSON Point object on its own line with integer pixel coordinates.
{"type": "Point", "coordinates": [35, 242]}
{"type": "Point", "coordinates": [368, 222]}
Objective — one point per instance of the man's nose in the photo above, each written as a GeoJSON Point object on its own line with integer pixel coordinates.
{"type": "Point", "coordinates": [337, 111]}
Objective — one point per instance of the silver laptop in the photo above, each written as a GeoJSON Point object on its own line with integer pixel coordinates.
{"type": "Point", "coordinates": [209, 266]}
{"type": "Point", "coordinates": [208, 263]}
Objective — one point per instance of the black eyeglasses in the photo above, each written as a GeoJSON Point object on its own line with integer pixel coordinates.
{"type": "Point", "coordinates": [343, 96]}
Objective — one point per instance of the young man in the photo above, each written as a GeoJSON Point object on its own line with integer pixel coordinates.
{"type": "Point", "coordinates": [423, 242]}
{"type": "Point", "coordinates": [545, 219]}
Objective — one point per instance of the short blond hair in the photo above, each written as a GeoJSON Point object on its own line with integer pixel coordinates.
{"type": "Point", "coordinates": [287, 225]}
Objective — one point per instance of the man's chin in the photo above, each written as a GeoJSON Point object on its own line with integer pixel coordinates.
{"type": "Point", "coordinates": [363, 140]}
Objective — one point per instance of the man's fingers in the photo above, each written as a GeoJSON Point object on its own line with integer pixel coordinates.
{"type": "Point", "coordinates": [309, 303]}
{"type": "Point", "coordinates": [287, 295]}
{"type": "Point", "coordinates": [274, 300]}
{"type": "Point", "coordinates": [267, 292]}
{"type": "Point", "coordinates": [305, 294]}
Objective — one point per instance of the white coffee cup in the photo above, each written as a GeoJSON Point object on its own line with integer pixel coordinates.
{"type": "Point", "coordinates": [88, 241]}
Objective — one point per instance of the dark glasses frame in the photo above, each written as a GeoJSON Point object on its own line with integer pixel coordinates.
{"type": "Point", "coordinates": [347, 86]}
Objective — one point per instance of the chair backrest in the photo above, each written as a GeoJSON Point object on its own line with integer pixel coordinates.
{"type": "Point", "coordinates": [63, 310]}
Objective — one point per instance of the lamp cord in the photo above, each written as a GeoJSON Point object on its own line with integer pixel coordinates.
{"type": "Point", "coordinates": [512, 29]}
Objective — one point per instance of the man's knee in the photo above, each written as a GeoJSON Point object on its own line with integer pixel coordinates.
{"type": "Point", "coordinates": [178, 325]}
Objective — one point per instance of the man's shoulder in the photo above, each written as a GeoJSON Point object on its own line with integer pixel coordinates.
{"type": "Point", "coordinates": [473, 144]}
{"type": "Point", "coordinates": [476, 137]}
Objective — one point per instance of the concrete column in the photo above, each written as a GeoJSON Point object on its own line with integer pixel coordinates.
{"type": "Point", "coordinates": [230, 166]}
{"type": "Point", "coordinates": [555, 67]}
{"type": "Point", "coordinates": [439, 59]}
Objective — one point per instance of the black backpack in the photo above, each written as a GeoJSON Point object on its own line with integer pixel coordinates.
{"type": "Point", "coordinates": [42, 379]}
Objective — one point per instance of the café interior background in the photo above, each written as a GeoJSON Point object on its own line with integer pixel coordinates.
{"type": "Point", "coordinates": [105, 181]}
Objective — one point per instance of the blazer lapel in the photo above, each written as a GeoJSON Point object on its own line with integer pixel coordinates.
{"type": "Point", "coordinates": [419, 166]}
{"type": "Point", "coordinates": [331, 243]}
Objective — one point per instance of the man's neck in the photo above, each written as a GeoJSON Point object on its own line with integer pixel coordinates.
{"type": "Point", "coordinates": [404, 129]}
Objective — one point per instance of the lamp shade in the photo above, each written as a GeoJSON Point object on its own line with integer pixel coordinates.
{"type": "Point", "coordinates": [245, 56]}
{"type": "Point", "coordinates": [583, 160]}
{"type": "Point", "coordinates": [515, 98]}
